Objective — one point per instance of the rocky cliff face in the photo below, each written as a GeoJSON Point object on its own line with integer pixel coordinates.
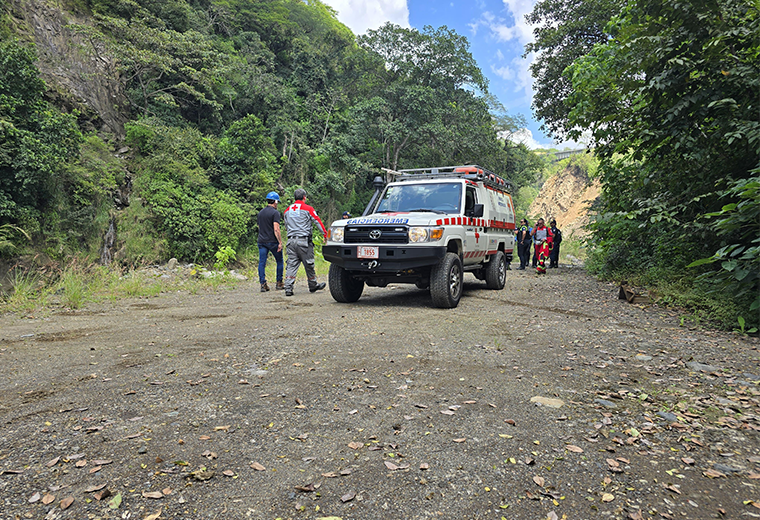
{"type": "Point", "coordinates": [76, 67]}
{"type": "Point", "coordinates": [566, 197]}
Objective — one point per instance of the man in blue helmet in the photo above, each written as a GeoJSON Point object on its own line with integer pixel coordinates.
{"type": "Point", "coordinates": [270, 240]}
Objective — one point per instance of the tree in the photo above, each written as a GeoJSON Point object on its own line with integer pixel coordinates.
{"type": "Point", "coordinates": [566, 30]}
{"type": "Point", "coordinates": [35, 141]}
{"type": "Point", "coordinates": [671, 102]}
{"type": "Point", "coordinates": [427, 104]}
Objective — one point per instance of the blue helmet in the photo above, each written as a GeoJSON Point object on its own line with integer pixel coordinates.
{"type": "Point", "coordinates": [272, 195]}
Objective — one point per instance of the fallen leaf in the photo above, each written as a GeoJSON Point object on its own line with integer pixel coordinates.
{"type": "Point", "coordinates": [152, 494]}
{"type": "Point", "coordinates": [539, 480]}
{"type": "Point", "coordinates": [204, 437]}
{"type": "Point", "coordinates": [53, 462]}
{"type": "Point", "coordinates": [258, 467]}
{"type": "Point", "coordinates": [713, 473]}
{"type": "Point", "coordinates": [202, 474]}
{"type": "Point", "coordinates": [607, 497]}
{"type": "Point", "coordinates": [754, 476]}
{"type": "Point", "coordinates": [222, 428]}
{"type": "Point", "coordinates": [355, 445]}
{"type": "Point", "coordinates": [210, 455]}
{"type": "Point", "coordinates": [34, 498]}
{"type": "Point", "coordinates": [100, 495]}
{"type": "Point", "coordinates": [688, 460]}
{"type": "Point", "coordinates": [345, 472]}
{"type": "Point", "coordinates": [459, 440]}
{"type": "Point", "coordinates": [308, 488]}
{"type": "Point", "coordinates": [613, 463]}
{"type": "Point", "coordinates": [80, 463]}
{"type": "Point", "coordinates": [115, 502]}
{"type": "Point", "coordinates": [66, 502]}
{"type": "Point", "coordinates": [95, 469]}
{"type": "Point", "coordinates": [48, 499]}
{"type": "Point", "coordinates": [101, 462]}
{"type": "Point", "coordinates": [228, 473]}
{"type": "Point", "coordinates": [511, 422]}
{"type": "Point", "coordinates": [348, 497]}
{"type": "Point", "coordinates": [93, 488]}
{"type": "Point", "coordinates": [331, 474]}
{"type": "Point", "coordinates": [153, 516]}
{"type": "Point", "coordinates": [447, 412]}
{"type": "Point", "coordinates": [672, 488]}
{"type": "Point", "coordinates": [391, 466]}
{"type": "Point", "coordinates": [166, 491]}
{"type": "Point", "coordinates": [573, 448]}
{"type": "Point", "coordinates": [424, 466]}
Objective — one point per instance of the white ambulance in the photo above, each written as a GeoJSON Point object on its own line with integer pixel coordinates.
{"type": "Point", "coordinates": [428, 227]}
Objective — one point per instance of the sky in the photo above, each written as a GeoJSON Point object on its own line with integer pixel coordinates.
{"type": "Point", "coordinates": [497, 32]}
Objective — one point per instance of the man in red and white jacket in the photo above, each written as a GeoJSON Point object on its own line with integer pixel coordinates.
{"type": "Point", "coordinates": [299, 219]}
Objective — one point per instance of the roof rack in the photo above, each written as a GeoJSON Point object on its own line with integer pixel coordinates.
{"type": "Point", "coordinates": [471, 172]}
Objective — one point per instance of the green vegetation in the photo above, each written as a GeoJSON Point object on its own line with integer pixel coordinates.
{"type": "Point", "coordinates": [668, 91]}
{"type": "Point", "coordinates": [225, 101]}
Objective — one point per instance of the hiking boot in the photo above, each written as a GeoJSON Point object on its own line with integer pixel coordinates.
{"type": "Point", "coordinates": [288, 292]}
{"type": "Point", "coordinates": [317, 287]}
{"type": "Point", "coordinates": [279, 286]}
{"type": "Point", "coordinates": [264, 287]}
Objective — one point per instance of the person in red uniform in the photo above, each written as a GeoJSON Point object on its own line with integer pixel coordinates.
{"type": "Point", "coordinates": [299, 219]}
{"type": "Point", "coordinates": [542, 238]}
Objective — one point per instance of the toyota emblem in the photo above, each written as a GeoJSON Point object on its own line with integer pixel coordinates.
{"type": "Point", "coordinates": [375, 234]}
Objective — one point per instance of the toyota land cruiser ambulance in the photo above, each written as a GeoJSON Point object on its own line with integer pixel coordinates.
{"type": "Point", "coordinates": [428, 227]}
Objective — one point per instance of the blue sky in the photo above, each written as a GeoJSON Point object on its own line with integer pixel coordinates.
{"type": "Point", "coordinates": [497, 32]}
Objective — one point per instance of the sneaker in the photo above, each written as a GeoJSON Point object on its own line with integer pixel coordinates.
{"type": "Point", "coordinates": [264, 287]}
{"type": "Point", "coordinates": [317, 287]}
{"type": "Point", "coordinates": [288, 292]}
{"type": "Point", "coordinates": [279, 286]}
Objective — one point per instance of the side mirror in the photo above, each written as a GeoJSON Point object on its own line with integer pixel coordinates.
{"type": "Point", "coordinates": [477, 211]}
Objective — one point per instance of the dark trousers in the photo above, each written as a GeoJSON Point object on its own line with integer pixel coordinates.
{"type": "Point", "coordinates": [554, 256]}
{"type": "Point", "coordinates": [523, 251]}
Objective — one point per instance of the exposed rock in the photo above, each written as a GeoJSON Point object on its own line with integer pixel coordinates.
{"type": "Point", "coordinates": [77, 69]}
{"type": "Point", "coordinates": [566, 197]}
{"type": "Point", "coordinates": [547, 401]}
{"type": "Point", "coordinates": [701, 367]}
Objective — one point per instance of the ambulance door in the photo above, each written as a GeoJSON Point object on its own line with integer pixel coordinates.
{"type": "Point", "coordinates": [475, 240]}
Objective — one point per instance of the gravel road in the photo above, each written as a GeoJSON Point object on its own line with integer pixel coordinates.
{"type": "Point", "coordinates": [548, 399]}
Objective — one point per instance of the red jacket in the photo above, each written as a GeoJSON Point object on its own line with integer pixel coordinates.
{"type": "Point", "coordinates": [299, 218]}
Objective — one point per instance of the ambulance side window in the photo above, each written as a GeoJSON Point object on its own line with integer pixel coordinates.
{"type": "Point", "coordinates": [470, 200]}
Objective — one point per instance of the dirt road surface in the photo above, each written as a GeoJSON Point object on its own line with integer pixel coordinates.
{"type": "Point", "coordinates": [548, 399]}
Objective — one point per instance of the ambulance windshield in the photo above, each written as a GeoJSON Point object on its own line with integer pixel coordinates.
{"type": "Point", "coordinates": [443, 198]}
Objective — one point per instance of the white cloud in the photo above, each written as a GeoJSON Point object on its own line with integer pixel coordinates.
{"type": "Point", "coordinates": [525, 136]}
{"type": "Point", "coordinates": [360, 15]}
{"type": "Point", "coordinates": [506, 73]}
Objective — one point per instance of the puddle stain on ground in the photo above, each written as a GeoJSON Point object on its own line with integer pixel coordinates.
{"type": "Point", "coordinates": [65, 335]}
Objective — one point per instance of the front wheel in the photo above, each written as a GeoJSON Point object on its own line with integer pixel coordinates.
{"type": "Point", "coordinates": [446, 282]}
{"type": "Point", "coordinates": [343, 287]}
{"type": "Point", "coordinates": [496, 271]}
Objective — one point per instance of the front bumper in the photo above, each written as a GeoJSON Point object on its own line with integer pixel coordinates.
{"type": "Point", "coordinates": [391, 259]}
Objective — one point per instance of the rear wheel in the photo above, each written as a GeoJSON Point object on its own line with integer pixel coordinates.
{"type": "Point", "coordinates": [446, 282]}
{"type": "Point", "coordinates": [496, 271]}
{"type": "Point", "coordinates": [343, 287]}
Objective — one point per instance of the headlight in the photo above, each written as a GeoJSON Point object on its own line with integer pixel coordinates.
{"type": "Point", "coordinates": [424, 234]}
{"type": "Point", "coordinates": [335, 234]}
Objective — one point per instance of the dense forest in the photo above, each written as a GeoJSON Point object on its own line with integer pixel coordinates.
{"type": "Point", "coordinates": [669, 93]}
{"type": "Point", "coordinates": [196, 108]}
{"type": "Point", "coordinates": [220, 102]}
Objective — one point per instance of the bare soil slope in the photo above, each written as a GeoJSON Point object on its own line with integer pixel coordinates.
{"type": "Point", "coordinates": [566, 197]}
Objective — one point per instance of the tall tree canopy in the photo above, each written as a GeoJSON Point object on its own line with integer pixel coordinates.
{"type": "Point", "coordinates": [671, 100]}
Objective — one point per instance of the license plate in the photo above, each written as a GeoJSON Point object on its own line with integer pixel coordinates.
{"type": "Point", "coordinates": [367, 252]}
